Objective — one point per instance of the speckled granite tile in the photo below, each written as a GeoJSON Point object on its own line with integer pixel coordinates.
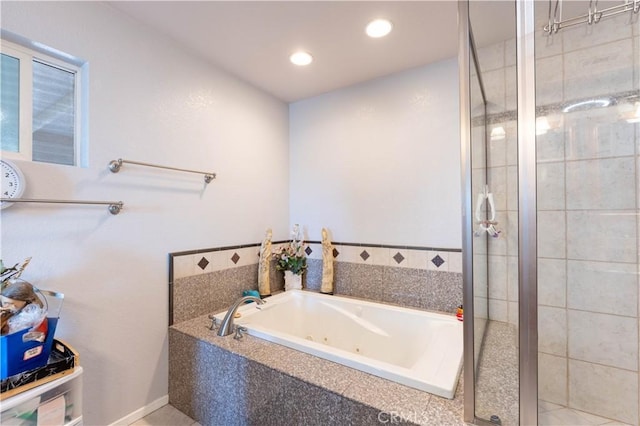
{"type": "Point", "coordinates": [391, 396]}
{"type": "Point", "coordinates": [310, 405]}
{"type": "Point", "coordinates": [312, 278]}
{"type": "Point", "coordinates": [357, 414]}
{"type": "Point", "coordinates": [442, 411]}
{"type": "Point", "coordinates": [229, 284]}
{"type": "Point", "coordinates": [497, 379]}
{"type": "Point", "coordinates": [250, 387]}
{"type": "Point", "coordinates": [362, 396]}
{"type": "Point", "coordinates": [191, 297]}
{"type": "Point", "coordinates": [419, 288]}
{"type": "Point", "coordinates": [182, 373]}
{"type": "Point", "coordinates": [364, 281]}
{"type": "Point", "coordinates": [211, 292]}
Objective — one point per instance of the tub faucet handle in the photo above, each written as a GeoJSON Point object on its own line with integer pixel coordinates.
{"type": "Point", "coordinates": [240, 330]}
{"type": "Point", "coordinates": [214, 323]}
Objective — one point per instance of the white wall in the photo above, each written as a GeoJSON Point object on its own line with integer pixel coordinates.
{"type": "Point", "coordinates": [148, 101]}
{"type": "Point", "coordinates": [379, 162]}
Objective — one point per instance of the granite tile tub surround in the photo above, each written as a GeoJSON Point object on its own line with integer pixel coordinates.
{"type": "Point", "coordinates": [210, 280]}
{"type": "Point", "coordinates": [219, 380]}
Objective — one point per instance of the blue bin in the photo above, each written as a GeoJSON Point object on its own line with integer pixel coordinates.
{"type": "Point", "coordinates": [18, 353]}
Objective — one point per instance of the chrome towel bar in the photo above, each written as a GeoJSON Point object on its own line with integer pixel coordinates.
{"type": "Point", "coordinates": [115, 166]}
{"type": "Point", "coordinates": [114, 206]}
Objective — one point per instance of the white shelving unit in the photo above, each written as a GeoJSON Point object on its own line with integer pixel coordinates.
{"type": "Point", "coordinates": [59, 401]}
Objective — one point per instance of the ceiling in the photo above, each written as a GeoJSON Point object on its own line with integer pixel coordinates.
{"type": "Point", "coordinates": [253, 39]}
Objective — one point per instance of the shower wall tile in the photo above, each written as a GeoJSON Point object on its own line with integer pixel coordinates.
{"type": "Point", "coordinates": [510, 233]}
{"type": "Point", "coordinates": [601, 184]}
{"type": "Point", "coordinates": [498, 277]}
{"type": "Point", "coordinates": [592, 36]}
{"type": "Point", "coordinates": [497, 181]}
{"type": "Point", "coordinates": [491, 57]}
{"type": "Point", "coordinates": [608, 236]}
{"type": "Point", "coordinates": [511, 131]}
{"type": "Point", "coordinates": [607, 391]}
{"type": "Point", "coordinates": [550, 146]}
{"type": "Point", "coordinates": [597, 133]}
{"type": "Point", "coordinates": [480, 310]}
{"type": "Point", "coordinates": [510, 52]}
{"type": "Point", "coordinates": [552, 378]}
{"type": "Point", "coordinates": [549, 76]}
{"type": "Point", "coordinates": [494, 84]}
{"type": "Point", "coordinates": [616, 337]}
{"type": "Point", "coordinates": [552, 282]}
{"type": "Point", "coordinates": [498, 310]}
{"type": "Point", "coordinates": [548, 45]}
{"type": "Point", "coordinates": [552, 330]}
{"type": "Point", "coordinates": [513, 313]}
{"type": "Point", "coordinates": [478, 147]}
{"type": "Point", "coordinates": [498, 246]}
{"type": "Point", "coordinates": [512, 278]}
{"type": "Point", "coordinates": [603, 287]}
{"type": "Point", "coordinates": [636, 60]}
{"type": "Point", "coordinates": [551, 186]}
{"type": "Point", "coordinates": [511, 88]}
{"type": "Point", "coordinates": [551, 234]}
{"type": "Point", "coordinates": [480, 262]}
{"type": "Point", "coordinates": [607, 69]}
{"type": "Point", "coordinates": [497, 154]}
{"type": "Point", "coordinates": [512, 188]}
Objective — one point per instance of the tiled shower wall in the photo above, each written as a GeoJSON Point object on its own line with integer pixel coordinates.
{"type": "Point", "coordinates": [588, 220]}
{"type": "Point", "coordinates": [210, 280]}
{"type": "Point", "coordinates": [497, 156]}
{"type": "Point", "coordinates": [588, 201]}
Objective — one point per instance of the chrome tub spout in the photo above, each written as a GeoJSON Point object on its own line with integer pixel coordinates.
{"type": "Point", "coordinates": [227, 327]}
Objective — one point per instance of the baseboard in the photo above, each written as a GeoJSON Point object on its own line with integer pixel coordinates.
{"type": "Point", "coordinates": [141, 412]}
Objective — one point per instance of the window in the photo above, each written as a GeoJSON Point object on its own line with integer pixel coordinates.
{"type": "Point", "coordinates": [39, 106]}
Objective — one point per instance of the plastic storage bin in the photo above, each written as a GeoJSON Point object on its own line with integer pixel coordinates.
{"type": "Point", "coordinates": [57, 402]}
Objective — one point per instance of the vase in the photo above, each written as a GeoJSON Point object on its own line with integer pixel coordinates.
{"type": "Point", "coordinates": [292, 281]}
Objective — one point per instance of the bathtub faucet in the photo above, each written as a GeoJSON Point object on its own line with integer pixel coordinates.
{"type": "Point", "coordinates": [227, 326]}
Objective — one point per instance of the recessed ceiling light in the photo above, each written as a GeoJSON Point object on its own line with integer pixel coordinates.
{"type": "Point", "coordinates": [379, 28]}
{"type": "Point", "coordinates": [301, 58]}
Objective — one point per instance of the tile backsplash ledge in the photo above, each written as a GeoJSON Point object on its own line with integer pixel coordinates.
{"type": "Point", "coordinates": [198, 262]}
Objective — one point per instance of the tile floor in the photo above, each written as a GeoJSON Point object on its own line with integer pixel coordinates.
{"type": "Point", "coordinates": [166, 416]}
{"type": "Point", "coordinates": [552, 414]}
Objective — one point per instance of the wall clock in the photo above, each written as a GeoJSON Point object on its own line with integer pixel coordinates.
{"type": "Point", "coordinates": [13, 182]}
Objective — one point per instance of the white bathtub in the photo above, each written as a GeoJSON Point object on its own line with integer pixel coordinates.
{"type": "Point", "coordinates": [415, 348]}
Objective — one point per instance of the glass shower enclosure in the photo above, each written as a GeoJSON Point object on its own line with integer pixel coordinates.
{"type": "Point", "coordinates": [550, 113]}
